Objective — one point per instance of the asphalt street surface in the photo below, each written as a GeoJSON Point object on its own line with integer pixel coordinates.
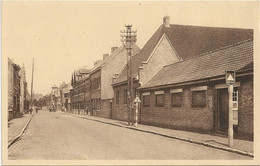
{"type": "Point", "coordinates": [57, 136]}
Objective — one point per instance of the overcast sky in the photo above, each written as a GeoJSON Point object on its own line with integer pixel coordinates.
{"type": "Point", "coordinates": [63, 36]}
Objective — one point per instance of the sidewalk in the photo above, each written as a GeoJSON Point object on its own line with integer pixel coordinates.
{"type": "Point", "coordinates": [15, 126]}
{"type": "Point", "coordinates": [204, 139]}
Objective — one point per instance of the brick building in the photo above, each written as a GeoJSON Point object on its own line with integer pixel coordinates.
{"type": "Point", "coordinates": [192, 94]}
{"type": "Point", "coordinates": [24, 102]}
{"type": "Point", "coordinates": [171, 44]}
{"type": "Point", "coordinates": [55, 98]}
{"type": "Point", "coordinates": [78, 99]}
{"type": "Point", "coordinates": [101, 76]}
{"type": "Point", "coordinates": [64, 93]}
{"type": "Point", "coordinates": [13, 89]}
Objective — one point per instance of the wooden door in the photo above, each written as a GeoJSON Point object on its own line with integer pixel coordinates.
{"type": "Point", "coordinates": [223, 110]}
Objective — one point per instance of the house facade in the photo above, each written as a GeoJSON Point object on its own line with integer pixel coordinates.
{"type": "Point", "coordinates": [24, 102]}
{"type": "Point", "coordinates": [78, 92]}
{"type": "Point", "coordinates": [14, 91]}
{"type": "Point", "coordinates": [101, 76]}
{"type": "Point", "coordinates": [64, 93]}
{"type": "Point", "coordinates": [192, 94]}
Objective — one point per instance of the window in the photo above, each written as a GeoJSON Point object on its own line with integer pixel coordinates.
{"type": "Point", "coordinates": [146, 100]}
{"type": "Point", "coordinates": [235, 106]}
{"type": "Point", "coordinates": [125, 96]}
{"type": "Point", "coordinates": [117, 97]}
{"type": "Point", "coordinates": [159, 99]}
{"type": "Point", "coordinates": [176, 99]}
{"type": "Point", "coordinates": [199, 98]}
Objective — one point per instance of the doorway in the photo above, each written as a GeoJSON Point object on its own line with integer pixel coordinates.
{"type": "Point", "coordinates": [222, 115]}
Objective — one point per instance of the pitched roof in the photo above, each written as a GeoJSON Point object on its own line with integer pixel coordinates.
{"type": "Point", "coordinates": [236, 57]}
{"type": "Point", "coordinates": [189, 41]}
{"type": "Point", "coordinates": [116, 52]}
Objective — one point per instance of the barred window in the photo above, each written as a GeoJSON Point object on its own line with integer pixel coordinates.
{"type": "Point", "coordinates": [176, 99]}
{"type": "Point", "coordinates": [199, 98]}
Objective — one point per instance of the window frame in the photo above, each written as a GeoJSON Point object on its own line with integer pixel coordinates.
{"type": "Point", "coordinates": [125, 97]}
{"type": "Point", "coordinates": [157, 94]}
{"type": "Point", "coordinates": [117, 98]}
{"type": "Point", "coordinates": [198, 105]}
{"type": "Point", "coordinates": [176, 105]}
{"type": "Point", "coordinates": [146, 94]}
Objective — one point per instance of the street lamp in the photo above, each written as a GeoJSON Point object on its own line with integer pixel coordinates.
{"type": "Point", "coordinates": [128, 39]}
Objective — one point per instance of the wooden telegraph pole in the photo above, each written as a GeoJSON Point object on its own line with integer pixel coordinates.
{"type": "Point", "coordinates": [32, 84]}
{"type": "Point", "coordinates": [128, 38]}
{"type": "Point", "coordinates": [230, 80]}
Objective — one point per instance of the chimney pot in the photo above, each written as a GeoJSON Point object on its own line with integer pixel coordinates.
{"type": "Point", "coordinates": [166, 21]}
{"type": "Point", "coordinates": [105, 56]}
{"type": "Point", "coordinates": [113, 49]}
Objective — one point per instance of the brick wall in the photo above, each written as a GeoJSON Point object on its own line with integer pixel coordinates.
{"type": "Point", "coordinates": [246, 106]}
{"type": "Point", "coordinates": [120, 112]}
{"type": "Point", "coordinates": [185, 117]}
{"type": "Point", "coordinates": [95, 94]}
{"type": "Point", "coordinates": [163, 55]}
{"type": "Point", "coordinates": [10, 85]}
{"type": "Point", "coordinates": [105, 109]}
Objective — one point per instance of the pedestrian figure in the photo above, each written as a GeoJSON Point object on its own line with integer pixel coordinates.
{"type": "Point", "coordinates": [30, 110]}
{"type": "Point", "coordinates": [37, 110]}
{"type": "Point", "coordinates": [86, 110]}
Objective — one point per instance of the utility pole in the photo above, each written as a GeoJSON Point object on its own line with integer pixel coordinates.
{"type": "Point", "coordinates": [128, 38]}
{"type": "Point", "coordinates": [32, 83]}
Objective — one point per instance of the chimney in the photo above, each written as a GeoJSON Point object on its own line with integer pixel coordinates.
{"type": "Point", "coordinates": [166, 21]}
{"type": "Point", "coordinates": [113, 49]}
{"type": "Point", "coordinates": [96, 62]}
{"type": "Point", "coordinates": [105, 56]}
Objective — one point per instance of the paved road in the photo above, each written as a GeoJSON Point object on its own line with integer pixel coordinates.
{"type": "Point", "coordinates": [56, 136]}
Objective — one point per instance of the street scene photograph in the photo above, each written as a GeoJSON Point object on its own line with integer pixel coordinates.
{"type": "Point", "coordinates": [133, 81]}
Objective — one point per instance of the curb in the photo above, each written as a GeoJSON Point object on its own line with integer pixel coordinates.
{"type": "Point", "coordinates": [21, 133]}
{"type": "Point", "coordinates": [245, 153]}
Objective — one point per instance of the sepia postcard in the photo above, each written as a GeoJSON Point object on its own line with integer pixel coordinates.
{"type": "Point", "coordinates": [130, 82]}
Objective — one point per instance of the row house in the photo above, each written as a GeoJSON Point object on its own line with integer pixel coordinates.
{"type": "Point", "coordinates": [13, 89]}
{"type": "Point", "coordinates": [55, 98]}
{"type": "Point", "coordinates": [101, 77]}
{"type": "Point", "coordinates": [170, 44]}
{"type": "Point", "coordinates": [92, 93]}
{"type": "Point", "coordinates": [64, 93]}
{"type": "Point", "coordinates": [77, 100]}
{"type": "Point", "coordinates": [24, 98]}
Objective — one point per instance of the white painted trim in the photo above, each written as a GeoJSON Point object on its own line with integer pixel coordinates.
{"type": "Point", "coordinates": [159, 92]}
{"type": "Point", "coordinates": [199, 88]}
{"type": "Point", "coordinates": [146, 94]}
{"type": "Point", "coordinates": [176, 90]}
{"type": "Point", "coordinates": [222, 86]}
{"type": "Point", "coordinates": [164, 35]}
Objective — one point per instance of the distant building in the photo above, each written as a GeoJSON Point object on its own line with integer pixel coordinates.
{"type": "Point", "coordinates": [13, 90]}
{"type": "Point", "coordinates": [24, 102]}
{"type": "Point", "coordinates": [55, 98]}
{"type": "Point", "coordinates": [64, 93]}
{"type": "Point", "coordinates": [78, 93]}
